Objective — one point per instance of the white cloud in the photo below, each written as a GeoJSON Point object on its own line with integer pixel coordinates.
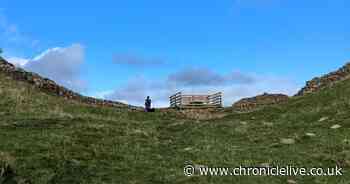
{"type": "Point", "coordinates": [206, 76]}
{"type": "Point", "coordinates": [137, 88]}
{"type": "Point", "coordinates": [62, 65]}
{"type": "Point", "coordinates": [234, 88]}
{"type": "Point", "coordinates": [133, 60]}
{"type": "Point", "coordinates": [100, 94]}
{"type": "Point", "coordinates": [19, 62]}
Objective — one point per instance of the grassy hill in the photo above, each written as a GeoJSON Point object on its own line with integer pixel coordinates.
{"type": "Point", "coordinates": [47, 139]}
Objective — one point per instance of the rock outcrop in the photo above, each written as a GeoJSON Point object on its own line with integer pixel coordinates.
{"type": "Point", "coordinates": [51, 87]}
{"type": "Point", "coordinates": [249, 104]}
{"type": "Point", "coordinates": [328, 80]}
{"type": "Point", "coordinates": [314, 85]}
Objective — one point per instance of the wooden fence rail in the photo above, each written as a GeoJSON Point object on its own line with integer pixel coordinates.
{"type": "Point", "coordinates": [178, 99]}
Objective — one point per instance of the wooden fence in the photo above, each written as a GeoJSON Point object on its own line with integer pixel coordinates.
{"type": "Point", "coordinates": [178, 100]}
{"type": "Point", "coordinates": [215, 99]}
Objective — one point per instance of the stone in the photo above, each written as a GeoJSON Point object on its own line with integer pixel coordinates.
{"type": "Point", "coordinates": [290, 181]}
{"type": "Point", "coordinates": [243, 123]}
{"type": "Point", "coordinates": [310, 134]}
{"type": "Point", "coordinates": [268, 124]}
{"type": "Point", "coordinates": [336, 126]}
{"type": "Point", "coordinates": [140, 132]}
{"type": "Point", "coordinates": [76, 162]}
{"type": "Point", "coordinates": [328, 80]}
{"type": "Point", "coordinates": [287, 141]}
{"type": "Point", "coordinates": [323, 119]}
{"type": "Point", "coordinates": [249, 104]}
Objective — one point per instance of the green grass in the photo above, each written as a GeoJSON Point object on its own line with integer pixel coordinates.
{"type": "Point", "coordinates": [46, 139]}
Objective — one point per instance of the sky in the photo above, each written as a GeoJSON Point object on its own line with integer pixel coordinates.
{"type": "Point", "coordinates": [127, 50]}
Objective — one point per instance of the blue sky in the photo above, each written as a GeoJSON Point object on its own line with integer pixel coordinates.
{"type": "Point", "coordinates": [124, 50]}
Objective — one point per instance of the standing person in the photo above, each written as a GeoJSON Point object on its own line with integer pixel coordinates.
{"type": "Point", "coordinates": [148, 103]}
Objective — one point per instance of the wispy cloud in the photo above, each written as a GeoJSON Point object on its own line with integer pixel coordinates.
{"type": "Point", "coordinates": [134, 60]}
{"type": "Point", "coordinates": [234, 85]}
{"type": "Point", "coordinates": [206, 76]}
{"type": "Point", "coordinates": [137, 88]}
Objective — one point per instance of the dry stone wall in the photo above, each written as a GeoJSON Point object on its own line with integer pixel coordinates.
{"type": "Point", "coordinates": [51, 87]}
{"type": "Point", "coordinates": [249, 104]}
{"type": "Point", "coordinates": [312, 86]}
{"type": "Point", "coordinates": [328, 80]}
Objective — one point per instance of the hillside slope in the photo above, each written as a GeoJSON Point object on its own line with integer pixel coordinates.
{"type": "Point", "coordinates": [50, 87]}
{"type": "Point", "coordinates": [47, 139]}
